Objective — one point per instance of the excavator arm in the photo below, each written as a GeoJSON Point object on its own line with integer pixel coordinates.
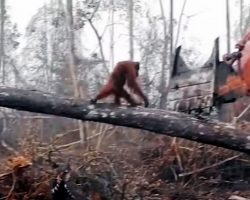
{"type": "Point", "coordinates": [202, 88]}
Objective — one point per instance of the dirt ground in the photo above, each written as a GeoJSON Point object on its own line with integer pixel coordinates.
{"type": "Point", "coordinates": [125, 164]}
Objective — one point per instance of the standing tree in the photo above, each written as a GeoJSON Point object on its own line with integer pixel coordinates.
{"type": "Point", "coordinates": [163, 97]}
{"type": "Point", "coordinates": [47, 72]}
{"type": "Point", "coordinates": [9, 43]}
{"type": "Point", "coordinates": [112, 32]}
{"type": "Point", "coordinates": [241, 17]}
{"type": "Point", "coordinates": [2, 40]}
{"type": "Point", "coordinates": [72, 63]}
{"type": "Point", "coordinates": [244, 19]}
{"type": "Point", "coordinates": [88, 11]}
{"type": "Point", "coordinates": [228, 27]}
{"type": "Point", "coordinates": [12, 69]}
{"type": "Point", "coordinates": [151, 42]}
{"type": "Point", "coordinates": [178, 31]}
{"type": "Point", "coordinates": [47, 50]}
{"type": "Point", "coordinates": [71, 53]}
{"type": "Point", "coordinates": [171, 30]}
{"type": "Point", "coordinates": [35, 52]}
{"type": "Point", "coordinates": [131, 27]}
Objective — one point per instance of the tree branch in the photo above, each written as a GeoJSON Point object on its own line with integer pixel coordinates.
{"type": "Point", "coordinates": [159, 121]}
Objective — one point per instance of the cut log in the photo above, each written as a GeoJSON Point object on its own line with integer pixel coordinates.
{"type": "Point", "coordinates": [159, 121]}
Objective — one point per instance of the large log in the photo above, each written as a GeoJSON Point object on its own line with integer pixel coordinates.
{"type": "Point", "coordinates": [159, 121]}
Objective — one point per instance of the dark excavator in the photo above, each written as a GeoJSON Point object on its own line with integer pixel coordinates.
{"type": "Point", "coordinates": [209, 87]}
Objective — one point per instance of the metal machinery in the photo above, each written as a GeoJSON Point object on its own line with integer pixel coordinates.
{"type": "Point", "coordinates": [207, 87]}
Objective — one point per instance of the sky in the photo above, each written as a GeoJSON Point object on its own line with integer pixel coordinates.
{"type": "Point", "coordinates": [21, 11]}
{"type": "Point", "coordinates": [205, 19]}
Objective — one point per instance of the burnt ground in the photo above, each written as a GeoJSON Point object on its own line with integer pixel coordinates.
{"type": "Point", "coordinates": [123, 164]}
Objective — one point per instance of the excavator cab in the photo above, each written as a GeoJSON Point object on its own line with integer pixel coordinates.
{"type": "Point", "coordinates": [201, 89]}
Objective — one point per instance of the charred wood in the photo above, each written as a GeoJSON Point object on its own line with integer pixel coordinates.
{"type": "Point", "coordinates": [159, 121]}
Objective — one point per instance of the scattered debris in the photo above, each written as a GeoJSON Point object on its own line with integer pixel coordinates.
{"type": "Point", "coordinates": [150, 168]}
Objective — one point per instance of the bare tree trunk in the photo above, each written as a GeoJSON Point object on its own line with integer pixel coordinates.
{"type": "Point", "coordinates": [46, 65]}
{"type": "Point", "coordinates": [171, 30]}
{"type": "Point", "coordinates": [163, 98]}
{"type": "Point", "coordinates": [58, 6]}
{"type": "Point", "coordinates": [241, 17]}
{"type": "Point", "coordinates": [228, 27]}
{"type": "Point", "coordinates": [112, 33]}
{"type": "Point", "coordinates": [131, 27]}
{"type": "Point", "coordinates": [71, 60]}
{"type": "Point", "coordinates": [179, 24]}
{"type": "Point", "coordinates": [99, 38]}
{"type": "Point", "coordinates": [2, 40]}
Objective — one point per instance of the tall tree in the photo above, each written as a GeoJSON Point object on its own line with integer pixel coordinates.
{"type": "Point", "coordinates": [71, 54]}
{"type": "Point", "coordinates": [171, 30]}
{"type": "Point", "coordinates": [131, 28]}
{"type": "Point", "coordinates": [72, 63]}
{"type": "Point", "coordinates": [45, 49]}
{"type": "Point", "coordinates": [163, 98]}
{"type": "Point", "coordinates": [35, 52]}
{"type": "Point", "coordinates": [2, 40]}
{"type": "Point", "coordinates": [12, 69]}
{"type": "Point", "coordinates": [178, 31]}
{"type": "Point", "coordinates": [150, 42]}
{"type": "Point", "coordinates": [244, 19]}
{"type": "Point", "coordinates": [9, 37]}
{"type": "Point", "coordinates": [228, 27]}
{"type": "Point", "coordinates": [241, 17]}
{"type": "Point", "coordinates": [112, 32]}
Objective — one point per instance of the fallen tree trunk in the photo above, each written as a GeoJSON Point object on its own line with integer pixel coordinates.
{"type": "Point", "coordinates": [159, 121]}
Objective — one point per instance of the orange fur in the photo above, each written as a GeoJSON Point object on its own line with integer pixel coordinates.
{"type": "Point", "coordinates": [124, 72]}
